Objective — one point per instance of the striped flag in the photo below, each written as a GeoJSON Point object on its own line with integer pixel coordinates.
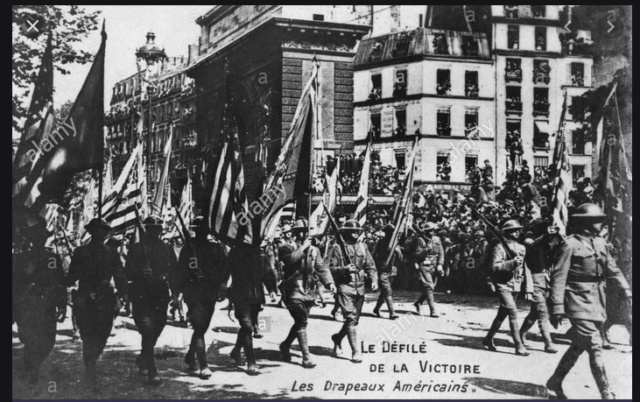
{"type": "Point", "coordinates": [561, 168]}
{"type": "Point", "coordinates": [186, 203]}
{"type": "Point", "coordinates": [319, 221]}
{"type": "Point", "coordinates": [107, 181]}
{"type": "Point", "coordinates": [229, 216]}
{"type": "Point", "coordinates": [363, 192]}
{"type": "Point", "coordinates": [161, 190]}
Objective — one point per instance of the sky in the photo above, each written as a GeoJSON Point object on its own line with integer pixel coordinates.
{"type": "Point", "coordinates": [127, 27]}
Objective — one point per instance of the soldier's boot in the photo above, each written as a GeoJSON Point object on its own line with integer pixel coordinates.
{"type": "Point", "coordinates": [285, 346]}
{"type": "Point", "coordinates": [604, 333]}
{"type": "Point", "coordinates": [153, 377]}
{"type": "Point", "coordinates": [91, 375]}
{"type": "Point", "coordinates": [76, 332]}
{"type": "Point", "coordinates": [526, 326]}
{"type": "Point", "coordinates": [337, 341]}
{"type": "Point", "coordinates": [487, 342]}
{"type": "Point", "coordinates": [543, 324]}
{"type": "Point", "coordinates": [392, 313]}
{"type": "Point", "coordinates": [304, 347]}
{"type": "Point", "coordinates": [252, 367]}
{"type": "Point", "coordinates": [515, 334]}
{"type": "Point", "coordinates": [190, 361]}
{"type": "Point", "coordinates": [143, 371]}
{"type": "Point", "coordinates": [431, 301]}
{"type": "Point", "coordinates": [201, 354]}
{"type": "Point", "coordinates": [599, 374]}
{"type": "Point", "coordinates": [568, 360]}
{"type": "Point", "coordinates": [376, 310]}
{"type": "Point", "coordinates": [419, 302]}
{"type": "Point", "coordinates": [353, 342]}
{"type": "Point", "coordinates": [336, 306]}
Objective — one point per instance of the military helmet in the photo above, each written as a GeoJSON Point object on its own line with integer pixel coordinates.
{"type": "Point", "coordinates": [97, 223]}
{"type": "Point", "coordinates": [479, 233]}
{"type": "Point", "coordinates": [286, 229]}
{"type": "Point", "coordinates": [351, 225]}
{"type": "Point", "coordinates": [300, 226]}
{"type": "Point", "coordinates": [428, 226]}
{"type": "Point", "coordinates": [388, 228]}
{"type": "Point", "coordinates": [198, 221]}
{"type": "Point", "coordinates": [588, 211]}
{"type": "Point", "coordinates": [151, 221]}
{"type": "Point", "coordinates": [511, 225]}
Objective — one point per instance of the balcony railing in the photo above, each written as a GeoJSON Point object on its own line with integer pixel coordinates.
{"type": "Point", "coordinates": [471, 92]}
{"type": "Point", "coordinates": [540, 108]}
{"type": "Point", "coordinates": [444, 131]}
{"type": "Point", "coordinates": [513, 107]}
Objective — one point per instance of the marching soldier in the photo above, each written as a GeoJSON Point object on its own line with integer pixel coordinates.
{"type": "Point", "coordinates": [299, 289]}
{"type": "Point", "coordinates": [428, 257]}
{"type": "Point", "coordinates": [350, 283]}
{"type": "Point", "coordinates": [151, 266]}
{"type": "Point", "coordinates": [578, 291]}
{"type": "Point", "coordinates": [248, 274]}
{"type": "Point", "coordinates": [40, 299]}
{"type": "Point", "coordinates": [539, 259]}
{"type": "Point", "coordinates": [93, 266]}
{"type": "Point", "coordinates": [386, 274]}
{"type": "Point", "coordinates": [202, 273]}
{"type": "Point", "coordinates": [508, 277]}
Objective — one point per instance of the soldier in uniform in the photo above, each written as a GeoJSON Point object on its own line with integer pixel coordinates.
{"type": "Point", "coordinates": [578, 291]}
{"type": "Point", "coordinates": [428, 257]}
{"type": "Point", "coordinates": [306, 267]}
{"type": "Point", "coordinates": [248, 274]}
{"type": "Point", "coordinates": [151, 267]}
{"type": "Point", "coordinates": [202, 276]}
{"type": "Point", "coordinates": [539, 258]}
{"type": "Point", "coordinates": [39, 298]}
{"type": "Point", "coordinates": [350, 282]}
{"type": "Point", "coordinates": [93, 266]}
{"type": "Point", "coordinates": [386, 274]}
{"type": "Point", "coordinates": [508, 277]}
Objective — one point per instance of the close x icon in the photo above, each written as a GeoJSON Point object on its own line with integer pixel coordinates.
{"type": "Point", "coordinates": [32, 25]}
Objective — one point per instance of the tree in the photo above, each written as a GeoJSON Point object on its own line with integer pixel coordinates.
{"type": "Point", "coordinates": [69, 25]}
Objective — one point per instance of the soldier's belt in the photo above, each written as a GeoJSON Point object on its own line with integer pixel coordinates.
{"type": "Point", "coordinates": [586, 278]}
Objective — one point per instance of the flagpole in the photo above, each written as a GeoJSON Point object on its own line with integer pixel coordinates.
{"type": "Point", "coordinates": [312, 142]}
{"type": "Point", "coordinates": [100, 192]}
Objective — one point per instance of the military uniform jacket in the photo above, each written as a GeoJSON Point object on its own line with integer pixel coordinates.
{"type": "Point", "coordinates": [425, 256]}
{"type": "Point", "coordinates": [38, 281]}
{"type": "Point", "coordinates": [380, 256]}
{"type": "Point", "coordinates": [507, 275]}
{"type": "Point", "coordinates": [151, 288]}
{"type": "Point", "coordinates": [539, 259]}
{"type": "Point", "coordinates": [301, 284]}
{"type": "Point", "coordinates": [248, 274]}
{"type": "Point", "coordinates": [93, 266]}
{"type": "Point", "coordinates": [578, 278]}
{"type": "Point", "coordinates": [202, 268]}
{"type": "Point", "coordinates": [351, 283]}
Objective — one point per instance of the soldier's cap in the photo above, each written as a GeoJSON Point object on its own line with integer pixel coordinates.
{"type": "Point", "coordinates": [97, 223]}
{"type": "Point", "coordinates": [379, 233]}
{"type": "Point", "coordinates": [442, 232]}
{"type": "Point", "coordinates": [152, 221]}
{"type": "Point", "coordinates": [389, 227]}
{"type": "Point", "coordinates": [511, 225]}
{"type": "Point", "coordinates": [286, 229]}
{"type": "Point", "coordinates": [588, 211]}
{"type": "Point", "coordinates": [301, 225]}
{"type": "Point", "coordinates": [479, 233]}
{"type": "Point", "coordinates": [351, 225]}
{"type": "Point", "coordinates": [197, 222]}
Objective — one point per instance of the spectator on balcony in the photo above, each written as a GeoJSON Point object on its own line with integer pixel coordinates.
{"type": "Point", "coordinates": [471, 89]}
{"type": "Point", "coordinates": [375, 94]}
{"type": "Point", "coordinates": [400, 131]}
{"type": "Point", "coordinates": [443, 88]}
{"type": "Point", "coordinates": [440, 44]}
{"type": "Point", "coordinates": [399, 89]}
{"type": "Point", "coordinates": [540, 42]}
{"type": "Point", "coordinates": [577, 79]}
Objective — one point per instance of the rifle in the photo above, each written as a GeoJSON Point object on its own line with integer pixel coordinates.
{"type": "Point", "coordinates": [339, 239]}
{"type": "Point", "coordinates": [495, 232]}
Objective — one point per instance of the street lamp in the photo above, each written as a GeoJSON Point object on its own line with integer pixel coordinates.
{"type": "Point", "coordinates": [148, 56]}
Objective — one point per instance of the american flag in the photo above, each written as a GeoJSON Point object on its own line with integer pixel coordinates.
{"type": "Point", "coordinates": [363, 192]}
{"type": "Point", "coordinates": [161, 190]}
{"type": "Point", "coordinates": [319, 221]}
{"type": "Point", "coordinates": [186, 203]}
{"type": "Point", "coordinates": [229, 216]}
{"type": "Point", "coordinates": [561, 168]}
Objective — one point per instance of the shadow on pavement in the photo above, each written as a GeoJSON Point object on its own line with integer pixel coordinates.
{"type": "Point", "coordinates": [508, 387]}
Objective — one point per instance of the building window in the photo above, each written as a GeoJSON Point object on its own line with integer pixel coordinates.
{"type": "Point", "coordinates": [401, 123]}
{"type": "Point", "coordinates": [440, 44]}
{"type": "Point", "coordinates": [443, 168]}
{"type": "Point", "coordinates": [376, 87]}
{"type": "Point", "coordinates": [541, 101]}
{"type": "Point", "coordinates": [541, 135]}
{"type": "Point", "coordinates": [513, 72]}
{"type": "Point", "coordinates": [375, 131]}
{"type": "Point", "coordinates": [541, 169]}
{"type": "Point", "coordinates": [513, 37]}
{"type": "Point", "coordinates": [318, 17]}
{"type": "Point", "coordinates": [511, 11]}
{"type": "Point", "coordinates": [444, 122]}
{"type": "Point", "coordinates": [400, 84]}
{"type": "Point", "coordinates": [541, 38]}
{"type": "Point", "coordinates": [470, 165]}
{"type": "Point", "coordinates": [469, 46]}
{"type": "Point", "coordinates": [539, 11]}
{"type": "Point", "coordinates": [513, 103]}
{"type": "Point", "coordinates": [471, 122]}
{"type": "Point", "coordinates": [443, 86]}
{"type": "Point", "coordinates": [577, 74]}
{"type": "Point", "coordinates": [576, 109]}
{"type": "Point", "coordinates": [471, 84]}
{"type": "Point", "coordinates": [401, 159]}
{"type": "Point", "coordinates": [577, 171]}
{"type": "Point", "coordinates": [577, 142]}
{"type": "Point", "coordinates": [541, 70]}
{"type": "Point", "coordinates": [514, 138]}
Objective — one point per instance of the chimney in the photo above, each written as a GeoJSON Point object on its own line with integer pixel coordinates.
{"type": "Point", "coordinates": [191, 54]}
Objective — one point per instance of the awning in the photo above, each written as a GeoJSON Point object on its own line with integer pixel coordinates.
{"type": "Point", "coordinates": [543, 126]}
